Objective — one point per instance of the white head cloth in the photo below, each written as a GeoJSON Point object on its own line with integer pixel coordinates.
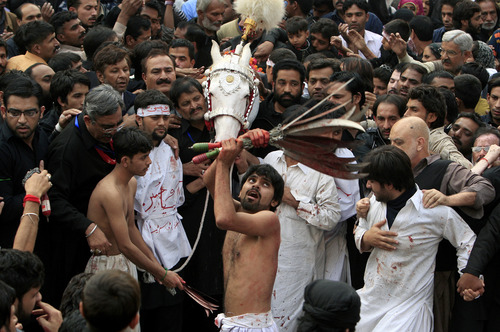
{"type": "Point", "coordinates": [158, 109]}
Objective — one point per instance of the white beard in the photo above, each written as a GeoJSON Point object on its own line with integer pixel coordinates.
{"type": "Point", "coordinates": [489, 26]}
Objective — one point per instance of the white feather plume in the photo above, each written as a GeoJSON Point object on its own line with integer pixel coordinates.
{"type": "Point", "coordinates": [266, 13]}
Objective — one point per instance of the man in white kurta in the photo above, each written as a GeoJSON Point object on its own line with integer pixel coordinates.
{"type": "Point", "coordinates": [399, 275]}
{"type": "Point", "coordinates": [302, 251]}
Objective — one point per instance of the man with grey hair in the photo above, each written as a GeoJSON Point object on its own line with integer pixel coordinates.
{"type": "Point", "coordinates": [210, 15]}
{"type": "Point", "coordinates": [455, 49]}
{"type": "Point", "coordinates": [78, 159]}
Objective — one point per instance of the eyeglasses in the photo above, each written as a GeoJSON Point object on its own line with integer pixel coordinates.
{"type": "Point", "coordinates": [107, 130]}
{"type": "Point", "coordinates": [449, 53]}
{"type": "Point", "coordinates": [477, 149]}
{"type": "Point", "coordinates": [17, 114]}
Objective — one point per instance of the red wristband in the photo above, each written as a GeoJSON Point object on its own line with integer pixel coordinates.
{"type": "Point", "coordinates": [31, 198]}
{"type": "Point", "coordinates": [486, 161]}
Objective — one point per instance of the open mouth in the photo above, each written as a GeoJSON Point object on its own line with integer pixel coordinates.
{"type": "Point", "coordinates": [254, 194]}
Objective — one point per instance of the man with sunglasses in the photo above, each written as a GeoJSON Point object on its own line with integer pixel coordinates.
{"type": "Point", "coordinates": [78, 159]}
{"type": "Point", "coordinates": [22, 146]}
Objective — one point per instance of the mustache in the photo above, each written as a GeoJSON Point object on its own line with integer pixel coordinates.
{"type": "Point", "coordinates": [192, 111]}
{"type": "Point", "coordinates": [163, 80]}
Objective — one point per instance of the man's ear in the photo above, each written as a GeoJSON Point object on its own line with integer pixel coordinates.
{"type": "Point", "coordinates": [356, 99]}
{"type": "Point", "coordinates": [134, 321]}
{"type": "Point", "coordinates": [129, 40]}
{"type": "Point", "coordinates": [431, 117]}
{"type": "Point", "coordinates": [87, 120]}
{"type": "Point", "coordinates": [35, 49]}
{"type": "Point", "coordinates": [80, 306]}
{"type": "Point", "coordinates": [42, 109]}
{"type": "Point", "coordinates": [138, 120]}
{"type": "Point", "coordinates": [420, 143]}
{"type": "Point", "coordinates": [274, 203]}
{"type": "Point", "coordinates": [125, 161]}
{"type": "Point", "coordinates": [100, 76]}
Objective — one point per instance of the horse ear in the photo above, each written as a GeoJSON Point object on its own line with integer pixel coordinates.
{"type": "Point", "coordinates": [215, 52]}
{"type": "Point", "coordinates": [245, 55]}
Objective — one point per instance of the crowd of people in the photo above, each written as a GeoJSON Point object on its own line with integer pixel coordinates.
{"type": "Point", "coordinates": [104, 213]}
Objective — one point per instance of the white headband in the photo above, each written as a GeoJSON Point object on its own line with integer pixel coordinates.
{"type": "Point", "coordinates": [159, 109]}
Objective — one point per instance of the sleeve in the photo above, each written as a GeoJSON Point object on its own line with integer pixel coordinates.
{"type": "Point", "coordinates": [460, 236]}
{"type": "Point", "coordinates": [63, 211]}
{"type": "Point", "coordinates": [275, 35]}
{"type": "Point", "coordinates": [429, 66]}
{"type": "Point", "coordinates": [442, 144]}
{"type": "Point", "coordinates": [460, 179]}
{"type": "Point", "coordinates": [486, 246]}
{"type": "Point", "coordinates": [13, 208]}
{"type": "Point", "coordinates": [360, 231]}
{"type": "Point", "coordinates": [323, 210]}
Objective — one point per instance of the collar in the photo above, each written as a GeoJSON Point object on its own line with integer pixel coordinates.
{"type": "Point", "coordinates": [281, 158]}
{"type": "Point", "coordinates": [6, 134]}
{"type": "Point", "coordinates": [33, 57]}
{"type": "Point", "coordinates": [424, 163]}
{"type": "Point", "coordinates": [400, 201]}
{"type": "Point", "coordinates": [88, 140]}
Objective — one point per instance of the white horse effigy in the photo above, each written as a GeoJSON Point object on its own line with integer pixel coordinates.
{"type": "Point", "coordinates": [232, 93]}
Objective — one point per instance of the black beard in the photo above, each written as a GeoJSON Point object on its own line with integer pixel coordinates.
{"type": "Point", "coordinates": [250, 207]}
{"type": "Point", "coordinates": [286, 102]}
{"type": "Point", "coordinates": [157, 137]}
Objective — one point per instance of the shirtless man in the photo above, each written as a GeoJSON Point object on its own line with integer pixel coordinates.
{"type": "Point", "coordinates": [250, 252]}
{"type": "Point", "coordinates": [111, 207]}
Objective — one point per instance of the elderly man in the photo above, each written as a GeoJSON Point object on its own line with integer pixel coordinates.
{"type": "Point", "coordinates": [489, 14]}
{"type": "Point", "coordinates": [455, 50]}
{"type": "Point", "coordinates": [78, 159]}
{"type": "Point", "coordinates": [210, 16]}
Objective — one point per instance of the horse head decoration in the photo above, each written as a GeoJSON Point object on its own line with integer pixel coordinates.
{"type": "Point", "coordinates": [231, 93]}
{"type": "Point", "coordinates": [231, 88]}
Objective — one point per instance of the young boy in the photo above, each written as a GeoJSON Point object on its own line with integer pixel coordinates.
{"type": "Point", "coordinates": [111, 207]}
{"type": "Point", "coordinates": [322, 32]}
{"type": "Point", "coordinates": [298, 33]}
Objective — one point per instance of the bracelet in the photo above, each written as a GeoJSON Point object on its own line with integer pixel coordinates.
{"type": "Point", "coordinates": [486, 161]}
{"type": "Point", "coordinates": [91, 232]}
{"type": "Point", "coordinates": [166, 271]}
{"type": "Point", "coordinates": [167, 3]}
{"type": "Point", "coordinates": [31, 198]}
{"type": "Point", "coordinates": [29, 214]}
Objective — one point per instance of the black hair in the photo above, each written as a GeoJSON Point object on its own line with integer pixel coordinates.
{"type": "Point", "coordinates": [94, 38]}
{"type": "Point", "coordinates": [295, 24]}
{"type": "Point", "coordinates": [58, 19]}
{"type": "Point", "coordinates": [468, 89]}
{"type": "Point", "coordinates": [464, 10]}
{"type": "Point", "coordinates": [477, 70]}
{"type": "Point", "coordinates": [328, 3]}
{"type": "Point", "coordinates": [451, 3]}
{"type": "Point", "coordinates": [73, 3]}
{"type": "Point", "coordinates": [304, 5]}
{"type": "Point", "coordinates": [111, 299]}
{"type": "Point", "coordinates": [432, 100]}
{"type": "Point", "coordinates": [312, 57]}
{"type": "Point", "coordinates": [334, 64]}
{"type": "Point", "coordinates": [361, 66]}
{"type": "Point", "coordinates": [11, 76]}
{"type": "Point", "coordinates": [423, 28]}
{"type": "Point", "coordinates": [183, 43]}
{"type": "Point", "coordinates": [7, 298]}
{"type": "Point", "coordinates": [72, 294]}
{"type": "Point", "coordinates": [282, 54]}
{"type": "Point", "coordinates": [362, 4]}
{"type": "Point", "coordinates": [24, 88]}
{"type": "Point", "coordinates": [21, 270]}
{"type": "Point", "coordinates": [153, 4]}
{"type": "Point", "coordinates": [451, 104]}
{"type": "Point", "coordinates": [63, 61]}
{"type": "Point", "coordinates": [429, 77]}
{"type": "Point", "coordinates": [184, 85]}
{"type": "Point", "coordinates": [63, 83]}
{"type": "Point", "coordinates": [109, 55]}
{"type": "Point", "coordinates": [34, 32]}
{"type": "Point", "coordinates": [486, 130]}
{"type": "Point", "coordinates": [472, 116]}
{"type": "Point", "coordinates": [290, 65]}
{"type": "Point", "coordinates": [398, 26]}
{"type": "Point", "coordinates": [130, 141]}
{"type": "Point", "coordinates": [153, 54]}
{"type": "Point", "coordinates": [151, 97]}
{"type": "Point", "coordinates": [493, 83]}
{"type": "Point", "coordinates": [136, 25]}
{"type": "Point", "coordinates": [383, 73]}
{"type": "Point", "coordinates": [326, 27]}
{"type": "Point", "coordinates": [272, 175]}
{"type": "Point", "coordinates": [141, 51]}
{"type": "Point", "coordinates": [195, 33]}
{"type": "Point", "coordinates": [393, 99]}
{"type": "Point", "coordinates": [73, 322]}
{"type": "Point", "coordinates": [389, 157]}
{"type": "Point", "coordinates": [354, 87]}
